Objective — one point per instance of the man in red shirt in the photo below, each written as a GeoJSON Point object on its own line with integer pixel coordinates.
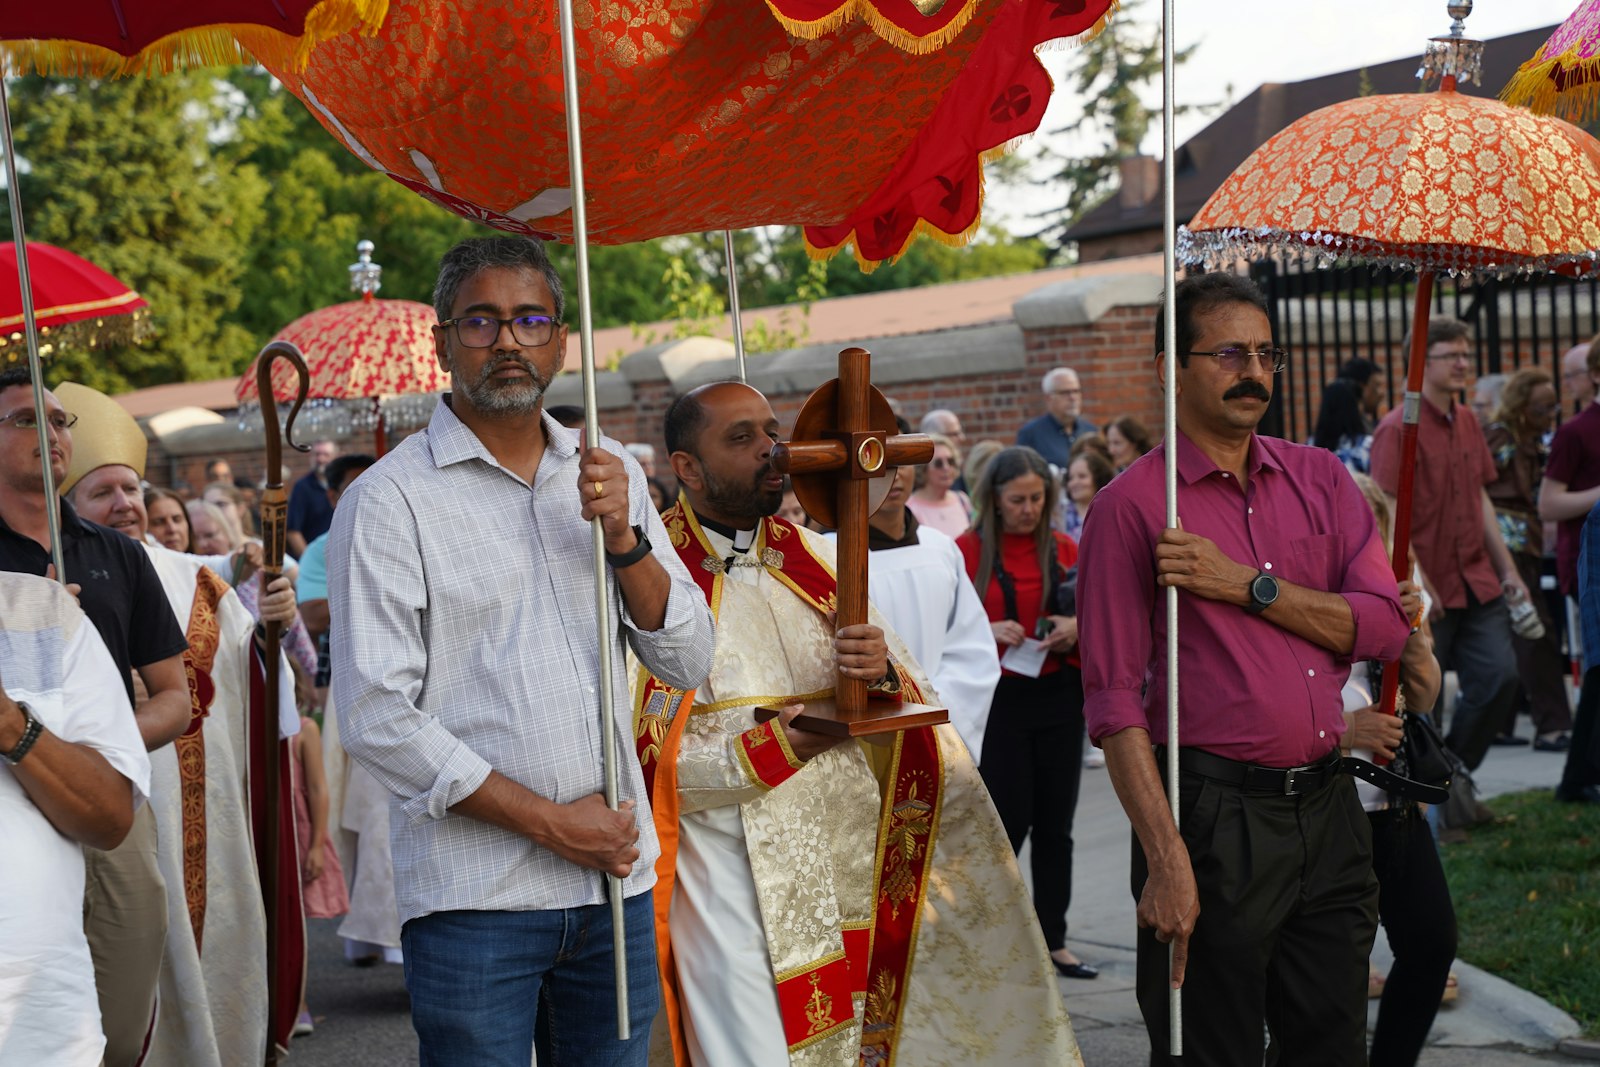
{"type": "Point", "coordinates": [1458, 543]}
{"type": "Point", "coordinates": [1283, 582]}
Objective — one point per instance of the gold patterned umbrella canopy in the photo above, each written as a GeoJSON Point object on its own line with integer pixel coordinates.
{"type": "Point", "coordinates": [1426, 181]}
{"type": "Point", "coordinates": [1563, 77]}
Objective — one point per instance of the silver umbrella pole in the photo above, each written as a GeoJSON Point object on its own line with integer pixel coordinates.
{"type": "Point", "coordinates": [31, 329]}
{"type": "Point", "coordinates": [591, 420]}
{"type": "Point", "coordinates": [733, 304]}
{"type": "Point", "coordinates": [1169, 344]}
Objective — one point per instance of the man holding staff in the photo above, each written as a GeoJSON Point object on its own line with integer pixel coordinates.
{"type": "Point", "coordinates": [1267, 893]}
{"type": "Point", "coordinates": [461, 596]}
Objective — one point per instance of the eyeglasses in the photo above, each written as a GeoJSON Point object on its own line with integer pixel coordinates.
{"type": "Point", "coordinates": [481, 331]}
{"type": "Point", "coordinates": [25, 420]}
{"type": "Point", "coordinates": [1233, 359]}
{"type": "Point", "coordinates": [941, 462]}
{"type": "Point", "coordinates": [1451, 357]}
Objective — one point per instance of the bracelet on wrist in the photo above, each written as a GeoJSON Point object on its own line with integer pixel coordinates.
{"type": "Point", "coordinates": [31, 729]}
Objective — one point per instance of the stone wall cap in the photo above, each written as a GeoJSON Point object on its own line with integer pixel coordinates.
{"type": "Point", "coordinates": [1080, 301]}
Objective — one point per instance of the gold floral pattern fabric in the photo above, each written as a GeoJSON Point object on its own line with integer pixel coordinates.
{"type": "Point", "coordinates": [362, 348]}
{"type": "Point", "coordinates": [1436, 181]}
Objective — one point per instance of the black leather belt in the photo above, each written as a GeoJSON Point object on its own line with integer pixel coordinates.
{"type": "Point", "coordinates": [1252, 778]}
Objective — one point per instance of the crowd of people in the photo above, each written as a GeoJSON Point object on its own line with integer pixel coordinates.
{"type": "Point", "coordinates": [791, 897]}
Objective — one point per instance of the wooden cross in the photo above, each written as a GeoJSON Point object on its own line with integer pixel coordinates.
{"type": "Point", "coordinates": [845, 442]}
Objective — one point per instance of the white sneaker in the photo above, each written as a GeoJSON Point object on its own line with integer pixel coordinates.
{"type": "Point", "coordinates": [1094, 758]}
{"type": "Point", "coordinates": [302, 1025]}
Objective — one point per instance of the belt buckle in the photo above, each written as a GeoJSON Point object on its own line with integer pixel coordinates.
{"type": "Point", "coordinates": [1289, 781]}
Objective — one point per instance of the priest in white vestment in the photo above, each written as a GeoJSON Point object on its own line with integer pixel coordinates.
{"type": "Point", "coordinates": [213, 989]}
{"type": "Point", "coordinates": [823, 903]}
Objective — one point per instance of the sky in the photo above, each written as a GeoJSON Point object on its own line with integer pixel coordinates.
{"type": "Point", "coordinates": [1245, 43]}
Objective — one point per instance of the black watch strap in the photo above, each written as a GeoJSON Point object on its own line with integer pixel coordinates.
{"type": "Point", "coordinates": [31, 729]}
{"type": "Point", "coordinates": [633, 555]}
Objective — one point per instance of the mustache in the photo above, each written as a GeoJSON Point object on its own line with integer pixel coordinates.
{"type": "Point", "coordinates": [490, 369]}
{"type": "Point", "coordinates": [1250, 389]}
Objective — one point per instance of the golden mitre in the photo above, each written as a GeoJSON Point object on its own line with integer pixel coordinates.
{"type": "Point", "coordinates": [105, 433]}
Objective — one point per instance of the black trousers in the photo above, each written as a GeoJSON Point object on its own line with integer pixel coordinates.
{"type": "Point", "coordinates": [1288, 911]}
{"type": "Point", "coordinates": [1583, 758]}
{"type": "Point", "coordinates": [1414, 905]}
{"type": "Point", "coordinates": [1032, 765]}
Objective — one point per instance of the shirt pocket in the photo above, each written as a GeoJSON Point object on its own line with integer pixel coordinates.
{"type": "Point", "coordinates": [1317, 562]}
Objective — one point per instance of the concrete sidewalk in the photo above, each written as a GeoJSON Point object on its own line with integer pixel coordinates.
{"type": "Point", "coordinates": [1493, 1023]}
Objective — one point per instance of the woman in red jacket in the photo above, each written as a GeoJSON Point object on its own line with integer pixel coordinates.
{"type": "Point", "coordinates": [1033, 746]}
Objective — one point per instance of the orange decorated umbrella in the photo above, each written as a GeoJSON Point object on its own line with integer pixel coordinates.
{"type": "Point", "coordinates": [371, 362]}
{"type": "Point", "coordinates": [1563, 77]}
{"type": "Point", "coordinates": [1427, 182]}
{"type": "Point", "coordinates": [705, 116]}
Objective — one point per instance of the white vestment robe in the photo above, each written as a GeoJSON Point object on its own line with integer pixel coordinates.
{"type": "Point", "coordinates": [213, 994]}
{"type": "Point", "coordinates": [769, 879]}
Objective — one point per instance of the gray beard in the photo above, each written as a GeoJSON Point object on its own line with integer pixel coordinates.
{"type": "Point", "coordinates": [509, 398]}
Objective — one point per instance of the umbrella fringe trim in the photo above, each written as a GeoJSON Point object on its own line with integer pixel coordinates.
{"type": "Point", "coordinates": [1220, 247]}
{"type": "Point", "coordinates": [1535, 87]}
{"type": "Point", "coordinates": [923, 227]}
{"type": "Point", "coordinates": [212, 46]}
{"type": "Point", "coordinates": [895, 34]}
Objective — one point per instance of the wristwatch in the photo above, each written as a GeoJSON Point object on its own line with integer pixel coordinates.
{"type": "Point", "coordinates": [633, 555]}
{"type": "Point", "coordinates": [31, 729]}
{"type": "Point", "coordinates": [1263, 593]}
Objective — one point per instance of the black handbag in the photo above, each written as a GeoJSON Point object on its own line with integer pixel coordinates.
{"type": "Point", "coordinates": [1422, 768]}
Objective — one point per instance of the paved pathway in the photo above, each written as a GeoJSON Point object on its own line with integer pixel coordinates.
{"type": "Point", "coordinates": [362, 1013]}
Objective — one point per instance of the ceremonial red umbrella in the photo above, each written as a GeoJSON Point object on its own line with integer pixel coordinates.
{"type": "Point", "coordinates": [1426, 182]}
{"type": "Point", "coordinates": [359, 355]}
{"type": "Point", "coordinates": [706, 116]}
{"type": "Point", "coordinates": [1563, 77]}
{"type": "Point", "coordinates": [76, 302]}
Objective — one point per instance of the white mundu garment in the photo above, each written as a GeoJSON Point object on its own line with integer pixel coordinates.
{"type": "Point", "coordinates": [52, 659]}
{"type": "Point", "coordinates": [924, 592]}
{"type": "Point", "coordinates": [765, 875]}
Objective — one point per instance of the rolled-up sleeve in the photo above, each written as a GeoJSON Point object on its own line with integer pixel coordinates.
{"type": "Point", "coordinates": [376, 599]}
{"type": "Point", "coordinates": [681, 651]}
{"type": "Point", "coordinates": [1116, 594]}
{"type": "Point", "coordinates": [1369, 585]}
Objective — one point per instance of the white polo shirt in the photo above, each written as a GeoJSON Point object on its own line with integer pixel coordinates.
{"type": "Point", "coordinates": [52, 659]}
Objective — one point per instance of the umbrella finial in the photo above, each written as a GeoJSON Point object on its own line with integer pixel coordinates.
{"type": "Point", "coordinates": [1454, 55]}
{"type": "Point", "coordinates": [365, 274]}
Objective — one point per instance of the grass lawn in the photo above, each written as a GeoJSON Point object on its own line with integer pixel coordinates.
{"type": "Point", "coordinates": [1527, 897]}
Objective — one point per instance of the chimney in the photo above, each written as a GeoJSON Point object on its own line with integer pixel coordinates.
{"type": "Point", "coordinates": [1140, 181]}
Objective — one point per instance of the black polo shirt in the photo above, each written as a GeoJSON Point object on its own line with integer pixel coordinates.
{"type": "Point", "coordinates": [121, 594]}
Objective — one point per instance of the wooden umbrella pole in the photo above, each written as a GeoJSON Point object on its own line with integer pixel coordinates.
{"type": "Point", "coordinates": [591, 419]}
{"type": "Point", "coordinates": [1408, 463]}
{"type": "Point", "coordinates": [274, 531]}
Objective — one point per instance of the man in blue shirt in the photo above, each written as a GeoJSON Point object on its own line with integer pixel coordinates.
{"type": "Point", "coordinates": [1052, 434]}
{"type": "Point", "coordinates": [1580, 779]}
{"type": "Point", "coordinates": [310, 514]}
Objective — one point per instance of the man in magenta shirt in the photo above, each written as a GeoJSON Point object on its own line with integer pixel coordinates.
{"type": "Point", "coordinates": [1571, 485]}
{"type": "Point", "coordinates": [1267, 893]}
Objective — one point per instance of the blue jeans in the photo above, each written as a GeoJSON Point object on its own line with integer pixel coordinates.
{"type": "Point", "coordinates": [476, 977]}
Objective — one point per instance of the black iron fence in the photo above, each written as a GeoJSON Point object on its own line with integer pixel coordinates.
{"type": "Point", "coordinates": [1327, 316]}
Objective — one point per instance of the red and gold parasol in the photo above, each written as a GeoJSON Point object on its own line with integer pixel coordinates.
{"type": "Point", "coordinates": [358, 354]}
{"type": "Point", "coordinates": [76, 302]}
{"type": "Point", "coordinates": [1563, 77]}
{"type": "Point", "coordinates": [113, 38]}
{"type": "Point", "coordinates": [700, 117]}
{"type": "Point", "coordinates": [1425, 182]}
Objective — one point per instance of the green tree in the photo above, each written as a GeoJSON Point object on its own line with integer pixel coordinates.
{"type": "Point", "coordinates": [1109, 76]}
{"type": "Point", "coordinates": [125, 174]}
